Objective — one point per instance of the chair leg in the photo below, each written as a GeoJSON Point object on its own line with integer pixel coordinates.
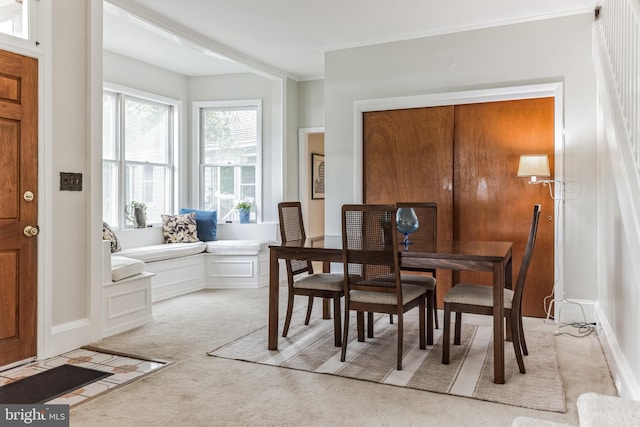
{"type": "Point", "coordinates": [369, 325]}
{"type": "Point", "coordinates": [523, 342]}
{"type": "Point", "coordinates": [400, 335]}
{"type": "Point", "coordinates": [458, 329]}
{"type": "Point", "coordinates": [430, 316]}
{"type": "Point", "coordinates": [309, 308]}
{"type": "Point", "coordinates": [515, 338]}
{"type": "Point", "coordinates": [287, 319]}
{"type": "Point", "coordinates": [391, 319]}
{"type": "Point", "coordinates": [360, 325]}
{"type": "Point", "coordinates": [435, 308]}
{"type": "Point", "coordinates": [337, 322]}
{"type": "Point", "coordinates": [446, 334]}
{"type": "Point", "coordinates": [345, 332]}
{"type": "Point", "coordinates": [421, 318]}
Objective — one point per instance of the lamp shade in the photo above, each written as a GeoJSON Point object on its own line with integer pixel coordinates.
{"type": "Point", "coordinates": [534, 165]}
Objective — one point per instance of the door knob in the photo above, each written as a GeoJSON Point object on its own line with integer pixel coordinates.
{"type": "Point", "coordinates": [30, 231]}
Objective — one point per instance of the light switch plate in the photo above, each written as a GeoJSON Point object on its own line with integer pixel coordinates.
{"type": "Point", "coordinates": [70, 181]}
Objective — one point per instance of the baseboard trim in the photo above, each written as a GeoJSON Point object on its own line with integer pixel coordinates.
{"type": "Point", "coordinates": [623, 377]}
{"type": "Point", "coordinates": [68, 336]}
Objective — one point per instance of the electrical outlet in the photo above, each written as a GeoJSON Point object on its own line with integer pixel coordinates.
{"type": "Point", "coordinates": [70, 181]}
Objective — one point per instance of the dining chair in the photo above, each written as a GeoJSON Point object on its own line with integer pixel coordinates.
{"type": "Point", "coordinates": [427, 213]}
{"type": "Point", "coordinates": [370, 255]}
{"type": "Point", "coordinates": [301, 279]}
{"type": "Point", "coordinates": [478, 299]}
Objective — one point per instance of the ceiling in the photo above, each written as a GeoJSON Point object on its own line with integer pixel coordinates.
{"type": "Point", "coordinates": [290, 37]}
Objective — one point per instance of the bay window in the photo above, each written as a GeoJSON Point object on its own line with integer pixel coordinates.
{"type": "Point", "coordinates": [138, 155]}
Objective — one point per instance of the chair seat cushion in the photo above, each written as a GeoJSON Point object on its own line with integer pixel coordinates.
{"type": "Point", "coordinates": [409, 293]}
{"type": "Point", "coordinates": [427, 282]}
{"type": "Point", "coordinates": [164, 251]}
{"type": "Point", "coordinates": [465, 293]}
{"type": "Point", "coordinates": [321, 281]}
{"type": "Point", "coordinates": [123, 267]}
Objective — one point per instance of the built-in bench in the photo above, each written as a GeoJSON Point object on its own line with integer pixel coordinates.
{"type": "Point", "coordinates": [146, 270]}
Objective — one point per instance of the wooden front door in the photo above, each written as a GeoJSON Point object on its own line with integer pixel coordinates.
{"type": "Point", "coordinates": [465, 158]}
{"type": "Point", "coordinates": [18, 206]}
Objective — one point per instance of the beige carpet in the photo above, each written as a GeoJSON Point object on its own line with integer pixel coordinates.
{"type": "Point", "coordinates": [469, 374]}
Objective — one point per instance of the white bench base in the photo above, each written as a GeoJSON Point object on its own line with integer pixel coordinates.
{"type": "Point", "coordinates": [126, 304]}
{"type": "Point", "coordinates": [236, 271]}
{"type": "Point", "coordinates": [177, 276]}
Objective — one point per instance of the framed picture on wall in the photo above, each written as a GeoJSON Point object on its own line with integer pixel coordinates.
{"type": "Point", "coordinates": [317, 176]}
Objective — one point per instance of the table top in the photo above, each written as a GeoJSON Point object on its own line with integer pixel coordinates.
{"type": "Point", "coordinates": [469, 250]}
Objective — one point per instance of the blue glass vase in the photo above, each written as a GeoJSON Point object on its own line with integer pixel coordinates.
{"type": "Point", "coordinates": [406, 223]}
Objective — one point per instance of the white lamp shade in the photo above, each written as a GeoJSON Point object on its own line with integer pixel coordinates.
{"type": "Point", "coordinates": [534, 165]}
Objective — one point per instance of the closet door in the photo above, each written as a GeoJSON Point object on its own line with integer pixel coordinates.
{"type": "Point", "coordinates": [408, 157]}
{"type": "Point", "coordinates": [465, 158]}
{"type": "Point", "coordinates": [490, 201]}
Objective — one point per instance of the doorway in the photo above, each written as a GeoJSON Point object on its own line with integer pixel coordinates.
{"type": "Point", "coordinates": [310, 146]}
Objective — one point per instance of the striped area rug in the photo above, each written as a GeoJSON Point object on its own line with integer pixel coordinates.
{"type": "Point", "coordinates": [469, 373]}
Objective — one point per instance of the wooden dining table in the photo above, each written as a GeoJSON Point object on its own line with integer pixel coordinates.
{"type": "Point", "coordinates": [494, 257]}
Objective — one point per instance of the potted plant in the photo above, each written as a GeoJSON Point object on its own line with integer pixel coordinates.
{"type": "Point", "coordinates": [136, 213]}
{"type": "Point", "coordinates": [244, 207]}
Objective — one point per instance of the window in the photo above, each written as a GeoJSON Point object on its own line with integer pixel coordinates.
{"type": "Point", "coordinates": [230, 156]}
{"type": "Point", "coordinates": [138, 165]}
{"type": "Point", "coordinates": [14, 18]}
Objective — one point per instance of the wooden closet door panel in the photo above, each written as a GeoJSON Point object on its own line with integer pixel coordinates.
{"type": "Point", "coordinates": [490, 201]}
{"type": "Point", "coordinates": [408, 157]}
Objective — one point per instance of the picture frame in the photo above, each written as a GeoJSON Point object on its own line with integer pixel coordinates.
{"type": "Point", "coordinates": [317, 176]}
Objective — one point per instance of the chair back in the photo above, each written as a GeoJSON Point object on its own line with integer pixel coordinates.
{"type": "Point", "coordinates": [292, 229]}
{"type": "Point", "coordinates": [526, 259]}
{"type": "Point", "coordinates": [370, 248]}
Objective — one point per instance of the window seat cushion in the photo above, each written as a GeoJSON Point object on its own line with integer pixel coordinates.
{"type": "Point", "coordinates": [237, 247]}
{"type": "Point", "coordinates": [123, 267]}
{"type": "Point", "coordinates": [164, 251]}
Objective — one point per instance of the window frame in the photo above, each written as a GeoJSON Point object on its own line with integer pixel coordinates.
{"type": "Point", "coordinates": [175, 106]}
{"type": "Point", "coordinates": [198, 147]}
{"type": "Point", "coordinates": [31, 15]}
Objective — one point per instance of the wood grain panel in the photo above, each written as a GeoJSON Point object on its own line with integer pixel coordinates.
{"type": "Point", "coordinates": [9, 171]}
{"type": "Point", "coordinates": [490, 202]}
{"type": "Point", "coordinates": [9, 88]}
{"type": "Point", "coordinates": [8, 295]}
{"type": "Point", "coordinates": [408, 157]}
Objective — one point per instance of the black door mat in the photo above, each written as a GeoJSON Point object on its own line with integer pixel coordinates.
{"type": "Point", "coordinates": [49, 384]}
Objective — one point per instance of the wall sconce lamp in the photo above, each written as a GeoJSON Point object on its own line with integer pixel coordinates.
{"type": "Point", "coordinates": [534, 166]}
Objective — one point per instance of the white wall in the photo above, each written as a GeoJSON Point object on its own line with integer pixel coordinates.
{"type": "Point", "coordinates": [69, 210]}
{"type": "Point", "coordinates": [311, 104]}
{"type": "Point", "coordinates": [618, 233]}
{"type": "Point", "coordinates": [555, 50]}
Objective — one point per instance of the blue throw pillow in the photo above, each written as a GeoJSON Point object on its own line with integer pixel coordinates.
{"type": "Point", "coordinates": [206, 223]}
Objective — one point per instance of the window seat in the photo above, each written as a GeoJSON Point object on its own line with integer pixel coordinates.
{"type": "Point", "coordinates": [163, 251]}
{"type": "Point", "coordinates": [147, 271]}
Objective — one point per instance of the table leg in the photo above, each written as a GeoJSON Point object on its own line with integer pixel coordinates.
{"type": "Point", "coordinates": [508, 284]}
{"type": "Point", "coordinates": [274, 299]}
{"type": "Point", "coordinates": [498, 322]}
{"type": "Point", "coordinates": [326, 311]}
